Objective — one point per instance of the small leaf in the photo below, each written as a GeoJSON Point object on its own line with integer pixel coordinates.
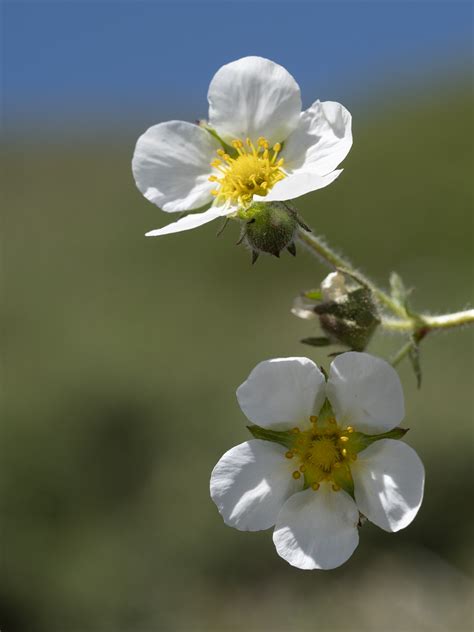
{"type": "Point", "coordinates": [414, 356]}
{"type": "Point", "coordinates": [320, 341]}
{"type": "Point", "coordinates": [401, 294]}
{"type": "Point", "coordinates": [399, 291]}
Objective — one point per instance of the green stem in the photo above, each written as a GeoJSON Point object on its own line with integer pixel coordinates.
{"type": "Point", "coordinates": [398, 324]}
{"type": "Point", "coordinates": [447, 321]}
{"type": "Point", "coordinates": [404, 351]}
{"type": "Point", "coordinates": [428, 322]}
{"type": "Point", "coordinates": [404, 322]}
{"type": "Point", "coordinates": [324, 252]}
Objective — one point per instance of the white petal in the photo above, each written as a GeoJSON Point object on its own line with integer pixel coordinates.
{"type": "Point", "coordinates": [321, 141]}
{"type": "Point", "coordinates": [317, 529]}
{"type": "Point", "coordinates": [188, 222]}
{"type": "Point", "coordinates": [171, 165]}
{"type": "Point", "coordinates": [297, 184]}
{"type": "Point", "coordinates": [303, 308]}
{"type": "Point", "coordinates": [389, 478]}
{"type": "Point", "coordinates": [250, 484]}
{"type": "Point", "coordinates": [333, 287]}
{"type": "Point", "coordinates": [282, 393]}
{"type": "Point", "coordinates": [254, 97]}
{"type": "Point", "coordinates": [365, 392]}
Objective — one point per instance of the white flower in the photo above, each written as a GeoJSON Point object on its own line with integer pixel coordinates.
{"type": "Point", "coordinates": [257, 146]}
{"type": "Point", "coordinates": [314, 472]}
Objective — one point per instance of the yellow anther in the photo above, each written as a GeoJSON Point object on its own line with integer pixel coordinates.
{"type": "Point", "coordinates": [214, 192]}
{"type": "Point", "coordinates": [344, 438]}
{"type": "Point", "coordinates": [289, 454]}
{"type": "Point", "coordinates": [296, 475]}
{"type": "Point", "coordinates": [313, 419]}
{"type": "Point", "coordinates": [276, 147]}
{"type": "Point", "coordinates": [251, 172]}
{"type": "Point", "coordinates": [344, 452]}
{"type": "Point", "coordinates": [349, 429]}
{"type": "Point", "coordinates": [315, 486]}
{"type": "Point", "coordinates": [212, 178]}
{"type": "Point", "coordinates": [336, 488]}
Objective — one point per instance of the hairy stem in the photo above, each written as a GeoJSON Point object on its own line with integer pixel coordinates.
{"type": "Point", "coordinates": [324, 252]}
{"type": "Point", "coordinates": [447, 321]}
{"type": "Point", "coordinates": [403, 322]}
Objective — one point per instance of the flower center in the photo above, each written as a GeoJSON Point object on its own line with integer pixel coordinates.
{"type": "Point", "coordinates": [252, 171]}
{"type": "Point", "coordinates": [322, 453]}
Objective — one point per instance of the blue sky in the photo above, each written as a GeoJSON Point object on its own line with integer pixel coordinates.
{"type": "Point", "coordinates": [114, 61]}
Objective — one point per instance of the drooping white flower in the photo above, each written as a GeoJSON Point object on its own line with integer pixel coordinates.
{"type": "Point", "coordinates": [257, 146]}
{"type": "Point", "coordinates": [322, 460]}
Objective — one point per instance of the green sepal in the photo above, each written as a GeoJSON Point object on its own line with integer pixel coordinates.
{"type": "Point", "coordinates": [342, 476]}
{"type": "Point", "coordinates": [233, 153]}
{"type": "Point", "coordinates": [313, 295]}
{"type": "Point", "coordinates": [326, 415]}
{"type": "Point", "coordinates": [358, 441]}
{"type": "Point", "coordinates": [285, 438]}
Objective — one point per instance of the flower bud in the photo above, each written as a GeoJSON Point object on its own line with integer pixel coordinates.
{"type": "Point", "coordinates": [346, 309]}
{"type": "Point", "coordinates": [269, 227]}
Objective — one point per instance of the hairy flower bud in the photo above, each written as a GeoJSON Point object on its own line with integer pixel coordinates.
{"type": "Point", "coordinates": [346, 309]}
{"type": "Point", "coordinates": [269, 227]}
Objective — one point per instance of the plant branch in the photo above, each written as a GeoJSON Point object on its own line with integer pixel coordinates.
{"type": "Point", "coordinates": [417, 324]}
{"type": "Point", "coordinates": [318, 247]}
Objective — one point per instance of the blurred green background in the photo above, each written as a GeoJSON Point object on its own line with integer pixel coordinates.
{"type": "Point", "coordinates": [123, 353]}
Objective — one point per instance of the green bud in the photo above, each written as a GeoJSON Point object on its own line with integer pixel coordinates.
{"type": "Point", "coordinates": [346, 310]}
{"type": "Point", "coordinates": [269, 227]}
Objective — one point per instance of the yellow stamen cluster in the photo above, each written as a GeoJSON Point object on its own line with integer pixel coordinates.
{"type": "Point", "coordinates": [322, 453]}
{"type": "Point", "coordinates": [253, 170]}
